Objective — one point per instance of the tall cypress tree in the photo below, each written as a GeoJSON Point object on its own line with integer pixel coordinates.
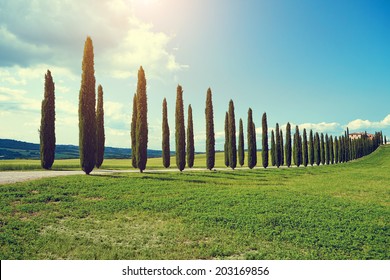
{"type": "Point", "coordinates": [322, 149]}
{"type": "Point", "coordinates": [226, 146]}
{"type": "Point", "coordinates": [241, 155]}
{"type": "Point", "coordinates": [281, 148]}
{"type": "Point", "coordinates": [305, 149]}
{"type": "Point", "coordinates": [336, 150]}
{"type": "Point", "coordinates": [142, 121]}
{"type": "Point", "coordinates": [331, 149]}
{"type": "Point", "coordinates": [180, 131]}
{"type": "Point", "coordinates": [190, 139]}
{"type": "Point", "coordinates": [264, 149]}
{"type": "Point", "coordinates": [317, 149]}
{"type": "Point", "coordinates": [311, 148]}
{"type": "Point", "coordinates": [254, 144]}
{"type": "Point", "coordinates": [341, 149]}
{"type": "Point", "coordinates": [346, 145]}
{"type": "Point", "coordinates": [47, 135]}
{"type": "Point", "coordinates": [133, 132]}
{"type": "Point", "coordinates": [166, 151]}
{"type": "Point", "coordinates": [278, 155]}
{"type": "Point", "coordinates": [297, 149]}
{"type": "Point", "coordinates": [232, 137]}
{"type": "Point", "coordinates": [288, 145]}
{"type": "Point", "coordinates": [210, 136]}
{"type": "Point", "coordinates": [273, 149]}
{"type": "Point", "coordinates": [327, 149]}
{"type": "Point", "coordinates": [252, 156]}
{"type": "Point", "coordinates": [87, 113]}
{"type": "Point", "coordinates": [100, 138]}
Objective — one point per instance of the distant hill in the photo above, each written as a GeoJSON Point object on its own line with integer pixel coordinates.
{"type": "Point", "coordinates": [13, 149]}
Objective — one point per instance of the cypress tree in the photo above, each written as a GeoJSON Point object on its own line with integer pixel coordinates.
{"type": "Point", "coordinates": [322, 149]}
{"type": "Point", "coordinates": [281, 148]}
{"type": "Point", "coordinates": [142, 122]}
{"type": "Point", "coordinates": [273, 149]}
{"type": "Point", "coordinates": [180, 131]}
{"type": "Point", "coordinates": [254, 144]}
{"type": "Point", "coordinates": [297, 148]}
{"type": "Point", "coordinates": [327, 149]}
{"type": "Point", "coordinates": [311, 148]}
{"type": "Point", "coordinates": [341, 149]}
{"type": "Point", "coordinates": [47, 135]}
{"type": "Point", "coordinates": [190, 139]}
{"type": "Point", "coordinates": [305, 149]}
{"type": "Point", "coordinates": [336, 150]}
{"type": "Point", "coordinates": [87, 113]}
{"type": "Point", "coordinates": [241, 155]}
{"type": "Point", "coordinates": [166, 151]}
{"type": "Point", "coordinates": [210, 136]}
{"type": "Point", "coordinates": [232, 137]}
{"type": "Point", "coordinates": [252, 156]}
{"type": "Point", "coordinates": [226, 146]}
{"type": "Point", "coordinates": [346, 146]}
{"type": "Point", "coordinates": [288, 145]}
{"type": "Point", "coordinates": [264, 150]}
{"type": "Point", "coordinates": [331, 149]}
{"type": "Point", "coordinates": [100, 138]}
{"type": "Point", "coordinates": [133, 133]}
{"type": "Point", "coordinates": [317, 146]}
{"type": "Point", "coordinates": [278, 156]}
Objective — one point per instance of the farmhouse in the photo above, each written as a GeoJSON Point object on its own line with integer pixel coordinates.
{"type": "Point", "coordinates": [358, 135]}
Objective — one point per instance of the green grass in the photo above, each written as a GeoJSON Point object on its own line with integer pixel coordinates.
{"type": "Point", "coordinates": [117, 164]}
{"type": "Point", "coordinates": [327, 212]}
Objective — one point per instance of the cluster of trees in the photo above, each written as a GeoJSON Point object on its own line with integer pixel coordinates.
{"type": "Point", "coordinates": [91, 119]}
{"type": "Point", "coordinates": [317, 149]}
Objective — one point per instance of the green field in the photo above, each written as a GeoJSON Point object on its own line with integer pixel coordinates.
{"type": "Point", "coordinates": [120, 164]}
{"type": "Point", "coordinates": [327, 212]}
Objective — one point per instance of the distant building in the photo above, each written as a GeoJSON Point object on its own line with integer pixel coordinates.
{"type": "Point", "coordinates": [358, 135]}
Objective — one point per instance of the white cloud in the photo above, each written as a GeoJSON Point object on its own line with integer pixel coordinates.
{"type": "Point", "coordinates": [360, 124]}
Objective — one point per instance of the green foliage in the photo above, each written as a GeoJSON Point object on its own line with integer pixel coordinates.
{"type": "Point", "coordinates": [336, 150]}
{"type": "Point", "coordinates": [264, 150]}
{"type": "Point", "coordinates": [317, 149]}
{"type": "Point", "coordinates": [241, 155]}
{"type": "Point", "coordinates": [190, 139]}
{"type": "Point", "coordinates": [232, 136]}
{"type": "Point", "coordinates": [100, 138]}
{"type": "Point", "coordinates": [327, 149]}
{"type": "Point", "coordinates": [297, 149]}
{"type": "Point", "coordinates": [311, 148]}
{"type": "Point", "coordinates": [281, 148]}
{"type": "Point", "coordinates": [278, 154]}
{"type": "Point", "coordinates": [226, 145]}
{"type": "Point", "coordinates": [47, 135]}
{"type": "Point", "coordinates": [331, 149]}
{"type": "Point", "coordinates": [142, 122]}
{"type": "Point", "coordinates": [273, 149]}
{"type": "Point", "coordinates": [251, 135]}
{"type": "Point", "coordinates": [180, 130]}
{"type": "Point", "coordinates": [87, 114]}
{"type": "Point", "coordinates": [210, 136]}
{"type": "Point", "coordinates": [305, 155]}
{"type": "Point", "coordinates": [334, 212]}
{"type": "Point", "coordinates": [322, 149]}
{"type": "Point", "coordinates": [133, 133]}
{"type": "Point", "coordinates": [166, 151]}
{"type": "Point", "coordinates": [288, 145]}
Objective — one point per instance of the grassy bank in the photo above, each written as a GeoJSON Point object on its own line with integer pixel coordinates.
{"type": "Point", "coordinates": [327, 212]}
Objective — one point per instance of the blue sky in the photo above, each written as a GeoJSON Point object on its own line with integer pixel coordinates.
{"type": "Point", "coordinates": [322, 65]}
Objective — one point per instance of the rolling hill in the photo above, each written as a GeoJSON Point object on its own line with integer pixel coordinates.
{"type": "Point", "coordinates": [13, 149]}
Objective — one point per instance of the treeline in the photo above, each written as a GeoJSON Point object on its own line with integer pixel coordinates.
{"type": "Point", "coordinates": [297, 149]}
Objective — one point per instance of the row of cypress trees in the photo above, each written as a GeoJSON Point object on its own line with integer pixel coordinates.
{"type": "Point", "coordinates": [91, 119]}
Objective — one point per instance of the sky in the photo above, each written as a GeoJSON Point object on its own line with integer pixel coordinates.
{"type": "Point", "coordinates": [322, 65]}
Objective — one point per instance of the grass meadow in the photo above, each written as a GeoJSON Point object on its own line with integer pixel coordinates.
{"type": "Point", "coordinates": [326, 212]}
